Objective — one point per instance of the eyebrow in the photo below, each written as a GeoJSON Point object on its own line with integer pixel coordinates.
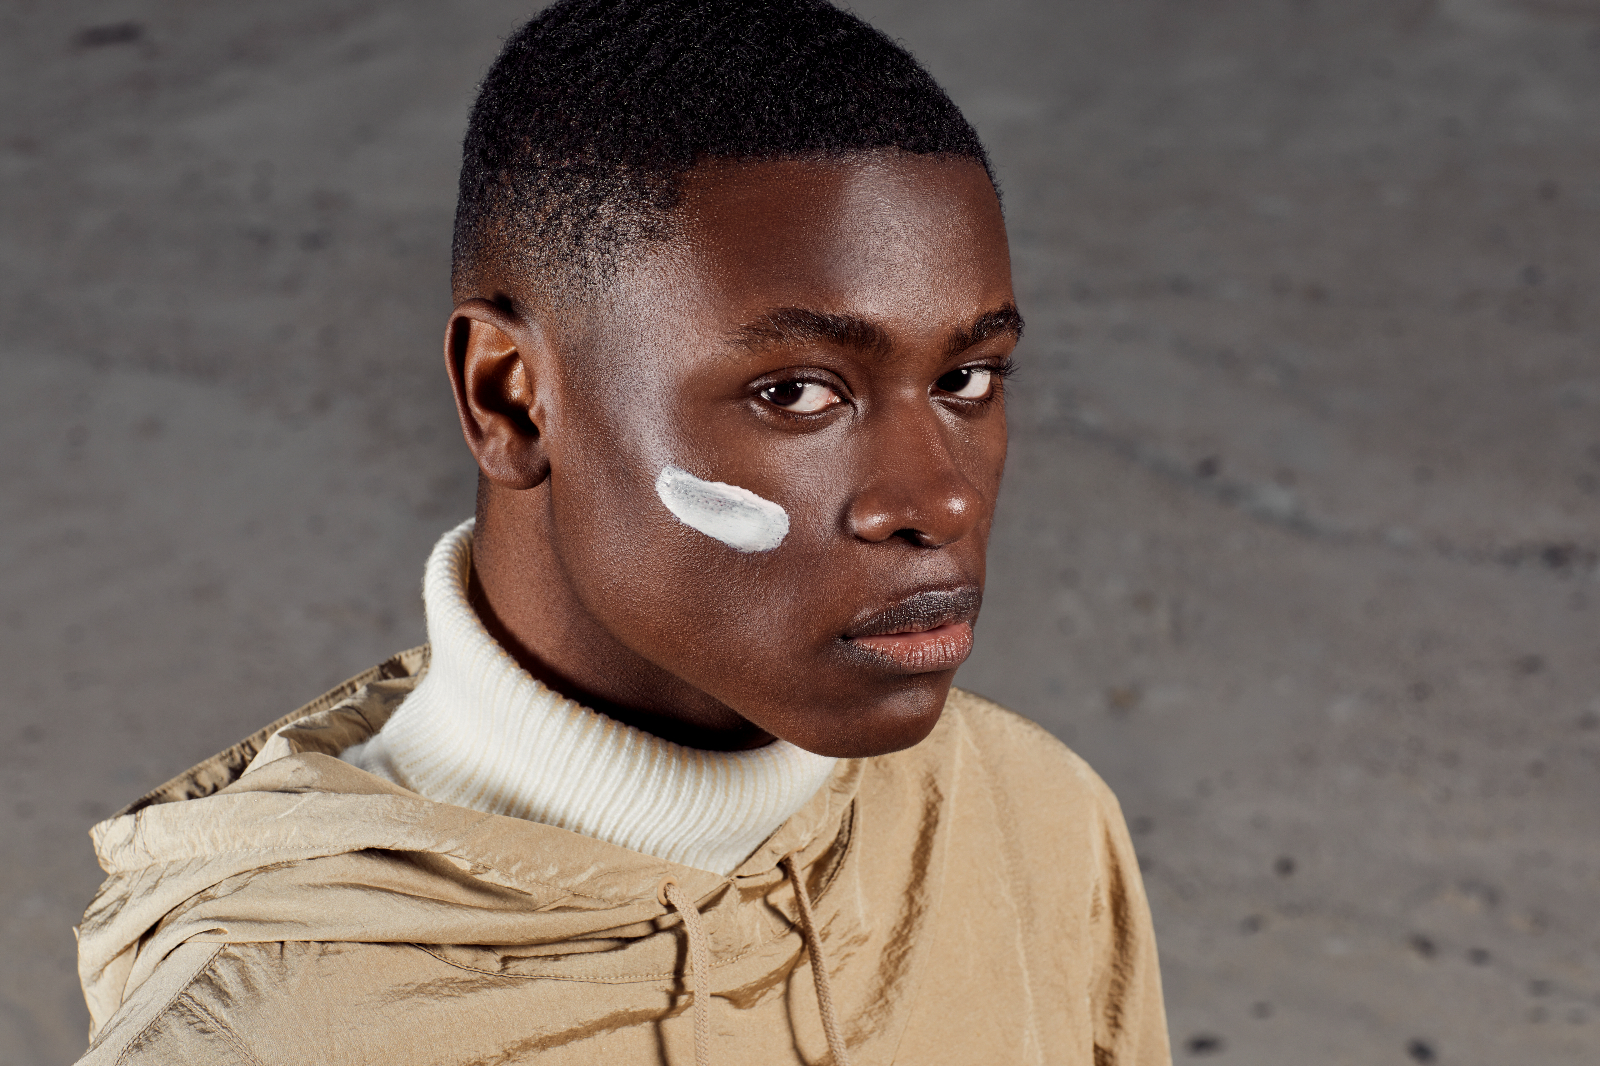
{"type": "Point", "coordinates": [798, 324]}
{"type": "Point", "coordinates": [1006, 319]}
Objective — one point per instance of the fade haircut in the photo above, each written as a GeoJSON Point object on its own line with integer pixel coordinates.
{"type": "Point", "coordinates": [594, 112]}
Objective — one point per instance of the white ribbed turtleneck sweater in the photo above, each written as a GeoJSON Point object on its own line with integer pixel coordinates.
{"type": "Point", "coordinates": [479, 731]}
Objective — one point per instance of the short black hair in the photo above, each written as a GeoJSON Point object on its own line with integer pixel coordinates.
{"type": "Point", "coordinates": [595, 110]}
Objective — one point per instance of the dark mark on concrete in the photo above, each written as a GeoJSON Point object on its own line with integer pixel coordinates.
{"type": "Point", "coordinates": [1122, 699]}
{"type": "Point", "coordinates": [1421, 1051]}
{"type": "Point", "coordinates": [109, 34]}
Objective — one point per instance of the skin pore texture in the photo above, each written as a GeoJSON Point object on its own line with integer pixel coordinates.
{"type": "Point", "coordinates": [829, 336]}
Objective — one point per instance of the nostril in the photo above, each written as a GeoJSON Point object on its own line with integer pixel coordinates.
{"type": "Point", "coordinates": [943, 507]}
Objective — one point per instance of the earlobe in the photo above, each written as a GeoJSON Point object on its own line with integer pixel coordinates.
{"type": "Point", "coordinates": [491, 359]}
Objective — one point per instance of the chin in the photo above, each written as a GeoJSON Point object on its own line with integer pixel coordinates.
{"type": "Point", "coordinates": [871, 726]}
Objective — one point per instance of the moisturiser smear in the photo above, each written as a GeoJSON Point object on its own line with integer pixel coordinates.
{"type": "Point", "coordinates": [737, 517]}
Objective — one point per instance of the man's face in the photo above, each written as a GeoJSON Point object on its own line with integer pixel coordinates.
{"type": "Point", "coordinates": [830, 336]}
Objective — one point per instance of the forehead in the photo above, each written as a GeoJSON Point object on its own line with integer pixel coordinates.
{"type": "Point", "coordinates": [908, 240]}
{"type": "Point", "coordinates": [846, 223]}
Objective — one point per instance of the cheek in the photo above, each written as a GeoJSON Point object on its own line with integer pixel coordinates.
{"type": "Point", "coordinates": [673, 592]}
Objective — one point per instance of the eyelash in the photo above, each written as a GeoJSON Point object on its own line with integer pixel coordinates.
{"type": "Point", "coordinates": [1000, 371]}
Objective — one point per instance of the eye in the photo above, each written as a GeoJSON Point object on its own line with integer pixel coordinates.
{"type": "Point", "coordinates": [968, 383]}
{"type": "Point", "coordinates": [800, 397]}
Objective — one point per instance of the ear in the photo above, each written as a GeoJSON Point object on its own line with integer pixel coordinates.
{"type": "Point", "coordinates": [493, 361]}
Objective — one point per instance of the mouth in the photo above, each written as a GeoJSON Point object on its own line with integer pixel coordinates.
{"type": "Point", "coordinates": [922, 633]}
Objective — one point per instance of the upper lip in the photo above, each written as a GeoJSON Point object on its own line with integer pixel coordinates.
{"type": "Point", "coordinates": [920, 612]}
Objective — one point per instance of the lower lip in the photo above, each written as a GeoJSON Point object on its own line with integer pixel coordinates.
{"type": "Point", "coordinates": [944, 648]}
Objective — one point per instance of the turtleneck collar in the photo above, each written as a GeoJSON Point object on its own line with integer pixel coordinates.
{"type": "Point", "coordinates": [479, 731]}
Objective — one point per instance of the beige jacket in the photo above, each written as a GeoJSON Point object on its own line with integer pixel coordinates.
{"type": "Point", "coordinates": [975, 898]}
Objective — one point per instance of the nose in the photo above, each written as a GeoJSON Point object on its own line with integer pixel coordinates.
{"type": "Point", "coordinates": [916, 489]}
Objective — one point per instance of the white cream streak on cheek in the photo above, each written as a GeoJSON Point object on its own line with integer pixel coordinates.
{"type": "Point", "coordinates": [737, 517]}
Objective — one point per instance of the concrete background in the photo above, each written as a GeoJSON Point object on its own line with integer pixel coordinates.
{"type": "Point", "coordinates": [1300, 538]}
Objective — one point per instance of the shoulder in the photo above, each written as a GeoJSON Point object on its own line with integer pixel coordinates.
{"type": "Point", "coordinates": [261, 1004]}
{"type": "Point", "coordinates": [1019, 755]}
{"type": "Point", "coordinates": [991, 774]}
{"type": "Point", "coordinates": [167, 1019]}
{"type": "Point", "coordinates": [1062, 859]}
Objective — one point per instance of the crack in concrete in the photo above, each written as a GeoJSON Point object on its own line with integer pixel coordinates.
{"type": "Point", "coordinates": [1278, 507]}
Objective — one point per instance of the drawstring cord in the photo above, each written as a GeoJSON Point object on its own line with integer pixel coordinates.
{"type": "Point", "coordinates": [671, 895]}
{"type": "Point", "coordinates": [819, 965]}
{"type": "Point", "coordinates": [699, 965]}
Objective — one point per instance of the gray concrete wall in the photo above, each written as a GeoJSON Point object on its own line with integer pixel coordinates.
{"type": "Point", "coordinates": [1299, 543]}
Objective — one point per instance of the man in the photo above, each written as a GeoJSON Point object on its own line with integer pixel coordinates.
{"type": "Point", "coordinates": [680, 776]}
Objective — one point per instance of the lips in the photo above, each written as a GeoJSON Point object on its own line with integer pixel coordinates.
{"type": "Point", "coordinates": [924, 632]}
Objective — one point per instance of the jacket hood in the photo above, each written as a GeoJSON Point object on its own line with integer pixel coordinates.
{"type": "Point", "coordinates": [276, 839]}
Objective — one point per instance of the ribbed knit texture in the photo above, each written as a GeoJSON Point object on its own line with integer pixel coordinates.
{"type": "Point", "coordinates": [479, 731]}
